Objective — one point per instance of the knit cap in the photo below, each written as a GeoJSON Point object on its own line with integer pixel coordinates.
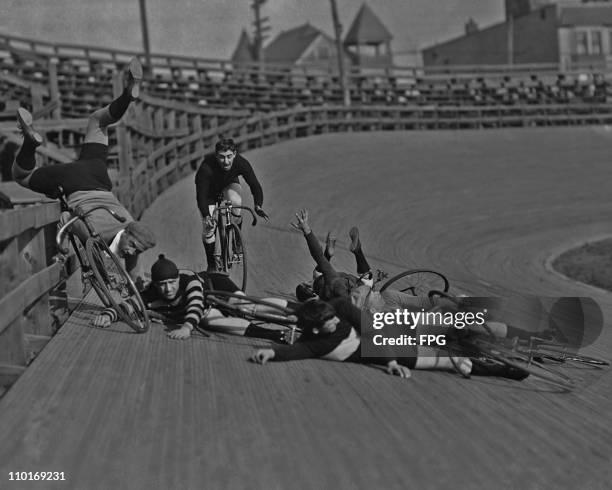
{"type": "Point", "coordinates": [163, 269]}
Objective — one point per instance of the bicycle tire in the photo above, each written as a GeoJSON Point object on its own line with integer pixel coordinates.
{"type": "Point", "coordinates": [236, 264]}
{"type": "Point", "coordinates": [87, 273]}
{"type": "Point", "coordinates": [442, 294]}
{"type": "Point", "coordinates": [113, 278]}
{"type": "Point", "coordinates": [280, 315]}
{"type": "Point", "coordinates": [560, 355]}
{"type": "Point", "coordinates": [221, 300]}
{"type": "Point", "coordinates": [492, 349]}
{"type": "Point", "coordinates": [418, 282]}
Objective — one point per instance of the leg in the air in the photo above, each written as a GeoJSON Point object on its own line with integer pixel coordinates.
{"type": "Point", "coordinates": [355, 248]}
{"type": "Point", "coordinates": [97, 125]}
{"type": "Point", "coordinates": [330, 246]}
{"type": "Point", "coordinates": [25, 160]}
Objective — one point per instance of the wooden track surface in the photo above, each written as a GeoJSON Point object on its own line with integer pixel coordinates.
{"type": "Point", "coordinates": [118, 410]}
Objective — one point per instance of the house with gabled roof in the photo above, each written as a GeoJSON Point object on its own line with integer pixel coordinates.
{"type": "Point", "coordinates": [245, 50]}
{"type": "Point", "coordinates": [303, 45]}
{"type": "Point", "coordinates": [368, 40]}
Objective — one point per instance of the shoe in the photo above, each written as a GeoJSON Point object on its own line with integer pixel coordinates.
{"type": "Point", "coordinates": [25, 121]}
{"type": "Point", "coordinates": [134, 78]}
{"type": "Point", "coordinates": [354, 236]}
{"type": "Point", "coordinates": [483, 367]}
{"type": "Point", "coordinates": [304, 292]}
{"type": "Point", "coordinates": [330, 244]}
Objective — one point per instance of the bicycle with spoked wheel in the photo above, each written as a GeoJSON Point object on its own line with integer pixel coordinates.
{"type": "Point", "coordinates": [100, 267]}
{"type": "Point", "coordinates": [231, 254]}
{"type": "Point", "coordinates": [541, 358]}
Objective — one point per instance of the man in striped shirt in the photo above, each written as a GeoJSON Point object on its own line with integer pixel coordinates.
{"type": "Point", "coordinates": [178, 297]}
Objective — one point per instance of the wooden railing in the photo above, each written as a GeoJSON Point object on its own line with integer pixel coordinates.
{"type": "Point", "coordinates": [29, 315]}
{"type": "Point", "coordinates": [175, 142]}
{"type": "Point", "coordinates": [34, 96]}
{"type": "Point", "coordinates": [28, 274]}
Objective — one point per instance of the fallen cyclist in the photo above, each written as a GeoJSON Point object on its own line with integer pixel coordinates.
{"type": "Point", "coordinates": [177, 297]}
{"type": "Point", "coordinates": [333, 331]}
{"type": "Point", "coordinates": [85, 182]}
{"type": "Point", "coordinates": [330, 283]}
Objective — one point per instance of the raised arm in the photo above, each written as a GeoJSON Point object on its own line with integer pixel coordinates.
{"type": "Point", "coordinates": [314, 247]}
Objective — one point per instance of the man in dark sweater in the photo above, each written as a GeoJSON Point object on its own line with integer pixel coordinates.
{"type": "Point", "coordinates": [218, 177]}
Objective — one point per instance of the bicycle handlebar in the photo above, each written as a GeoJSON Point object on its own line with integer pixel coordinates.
{"type": "Point", "coordinates": [223, 205]}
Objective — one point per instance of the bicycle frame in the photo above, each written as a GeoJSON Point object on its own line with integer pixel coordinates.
{"type": "Point", "coordinates": [95, 271]}
{"type": "Point", "coordinates": [222, 214]}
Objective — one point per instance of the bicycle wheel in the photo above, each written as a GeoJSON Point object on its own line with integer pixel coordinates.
{"type": "Point", "coordinates": [417, 282]}
{"type": "Point", "coordinates": [87, 271]}
{"type": "Point", "coordinates": [116, 285]}
{"type": "Point", "coordinates": [236, 256]}
{"type": "Point", "coordinates": [562, 355]}
{"type": "Point", "coordinates": [254, 309]}
{"type": "Point", "coordinates": [493, 350]}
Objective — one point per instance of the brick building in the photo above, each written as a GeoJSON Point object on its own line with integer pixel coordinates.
{"type": "Point", "coordinates": [568, 33]}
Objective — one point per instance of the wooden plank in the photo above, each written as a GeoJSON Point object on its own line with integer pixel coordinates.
{"type": "Point", "coordinates": [16, 221]}
{"type": "Point", "coordinates": [9, 373]}
{"type": "Point", "coordinates": [36, 343]}
{"type": "Point", "coordinates": [13, 304]}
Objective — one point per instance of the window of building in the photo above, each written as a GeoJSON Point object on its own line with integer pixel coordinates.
{"type": "Point", "coordinates": [590, 42]}
{"type": "Point", "coordinates": [582, 42]}
{"type": "Point", "coordinates": [596, 42]}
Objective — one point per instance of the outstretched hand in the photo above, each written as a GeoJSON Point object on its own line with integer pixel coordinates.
{"type": "Point", "coordinates": [302, 222]}
{"type": "Point", "coordinates": [102, 321]}
{"type": "Point", "coordinates": [396, 369]}
{"type": "Point", "coordinates": [262, 356]}
{"type": "Point", "coordinates": [261, 213]}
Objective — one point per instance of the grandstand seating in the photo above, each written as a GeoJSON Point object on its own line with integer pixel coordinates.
{"type": "Point", "coordinates": [84, 76]}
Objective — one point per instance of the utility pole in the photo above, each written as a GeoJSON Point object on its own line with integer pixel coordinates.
{"type": "Point", "coordinates": [260, 30]}
{"type": "Point", "coordinates": [145, 35]}
{"type": "Point", "coordinates": [510, 40]}
{"type": "Point", "coordinates": [340, 51]}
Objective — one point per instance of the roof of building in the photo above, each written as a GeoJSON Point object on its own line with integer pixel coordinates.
{"type": "Point", "coordinates": [586, 15]}
{"type": "Point", "coordinates": [244, 51]}
{"type": "Point", "coordinates": [289, 45]}
{"type": "Point", "coordinates": [367, 28]}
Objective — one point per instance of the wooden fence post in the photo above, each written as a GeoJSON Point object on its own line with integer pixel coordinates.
{"type": "Point", "coordinates": [54, 91]}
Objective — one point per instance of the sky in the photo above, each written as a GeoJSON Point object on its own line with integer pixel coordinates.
{"type": "Point", "coordinates": [210, 28]}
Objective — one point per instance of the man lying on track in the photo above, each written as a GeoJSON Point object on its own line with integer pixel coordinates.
{"type": "Point", "coordinates": [332, 331]}
{"type": "Point", "coordinates": [329, 283]}
{"type": "Point", "coordinates": [178, 297]}
{"type": "Point", "coordinates": [86, 182]}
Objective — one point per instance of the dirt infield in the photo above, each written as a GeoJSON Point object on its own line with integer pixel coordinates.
{"type": "Point", "coordinates": [590, 263]}
{"type": "Point", "coordinates": [487, 208]}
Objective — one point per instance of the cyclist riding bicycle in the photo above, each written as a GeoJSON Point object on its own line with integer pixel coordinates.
{"type": "Point", "coordinates": [85, 182]}
{"type": "Point", "coordinates": [178, 296]}
{"type": "Point", "coordinates": [218, 175]}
